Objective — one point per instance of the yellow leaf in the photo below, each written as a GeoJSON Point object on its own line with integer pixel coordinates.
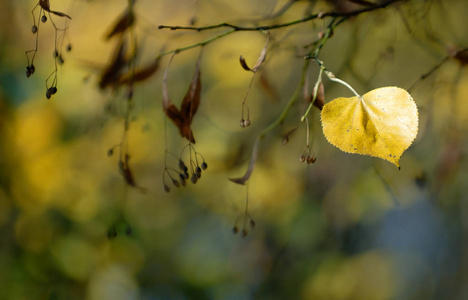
{"type": "Point", "coordinates": [382, 123]}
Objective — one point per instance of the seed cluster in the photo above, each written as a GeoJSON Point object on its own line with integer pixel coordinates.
{"type": "Point", "coordinates": [184, 173]}
{"type": "Point", "coordinates": [247, 224]}
{"type": "Point", "coordinates": [51, 89]}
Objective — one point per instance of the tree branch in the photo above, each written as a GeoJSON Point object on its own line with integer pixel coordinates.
{"type": "Point", "coordinates": [320, 15]}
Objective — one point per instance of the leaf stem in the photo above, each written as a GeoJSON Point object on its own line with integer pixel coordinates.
{"type": "Point", "coordinates": [332, 77]}
{"type": "Point", "coordinates": [316, 88]}
{"type": "Point", "coordinates": [242, 180]}
{"type": "Point", "coordinates": [290, 103]}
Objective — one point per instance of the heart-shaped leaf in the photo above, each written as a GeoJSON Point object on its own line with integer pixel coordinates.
{"type": "Point", "coordinates": [382, 123]}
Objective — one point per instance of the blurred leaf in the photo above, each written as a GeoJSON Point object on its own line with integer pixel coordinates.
{"type": "Point", "coordinates": [111, 74]}
{"type": "Point", "coordinates": [382, 123]}
{"type": "Point", "coordinates": [140, 74]}
{"type": "Point", "coordinates": [128, 174]}
{"type": "Point", "coordinates": [242, 180]}
{"type": "Point", "coordinates": [123, 23]}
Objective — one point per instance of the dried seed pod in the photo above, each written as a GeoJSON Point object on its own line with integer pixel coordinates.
{"type": "Point", "coordinates": [235, 230]}
{"type": "Point", "coordinates": [175, 183]}
{"type": "Point", "coordinates": [252, 223]}
{"type": "Point", "coordinates": [56, 53]}
{"type": "Point", "coordinates": [167, 189]}
{"type": "Point", "coordinates": [110, 152]}
{"type": "Point", "coordinates": [244, 232]}
{"type": "Point", "coordinates": [69, 47]}
{"type": "Point", "coordinates": [194, 178]}
{"type": "Point", "coordinates": [32, 68]}
{"type": "Point", "coordinates": [34, 29]}
{"type": "Point", "coordinates": [60, 60]}
{"type": "Point", "coordinates": [247, 123]}
{"type": "Point", "coordinates": [198, 170]}
{"type": "Point", "coordinates": [302, 158]}
{"type": "Point", "coordinates": [182, 179]}
{"type": "Point", "coordinates": [28, 71]}
{"type": "Point", "coordinates": [44, 19]}
{"type": "Point", "coordinates": [51, 91]}
{"type": "Point", "coordinates": [182, 166]}
{"type": "Point", "coordinates": [204, 165]}
{"type": "Point", "coordinates": [242, 123]}
{"type": "Point", "coordinates": [186, 175]}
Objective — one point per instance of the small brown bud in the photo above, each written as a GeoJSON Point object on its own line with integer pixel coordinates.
{"type": "Point", "coordinates": [167, 189]}
{"type": "Point", "coordinates": [44, 19]}
{"type": "Point", "coordinates": [243, 63]}
{"type": "Point", "coordinates": [302, 158]}
{"type": "Point", "coordinates": [34, 29]}
{"type": "Point", "coordinates": [182, 179]}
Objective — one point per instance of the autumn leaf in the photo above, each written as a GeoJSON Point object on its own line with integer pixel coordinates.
{"type": "Point", "coordinates": [383, 123]}
{"type": "Point", "coordinates": [260, 59]}
{"type": "Point", "coordinates": [183, 118]}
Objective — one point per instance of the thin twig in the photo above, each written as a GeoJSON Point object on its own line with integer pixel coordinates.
{"type": "Point", "coordinates": [287, 24]}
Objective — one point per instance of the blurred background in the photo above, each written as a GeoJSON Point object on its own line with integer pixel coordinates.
{"type": "Point", "coordinates": [346, 227]}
